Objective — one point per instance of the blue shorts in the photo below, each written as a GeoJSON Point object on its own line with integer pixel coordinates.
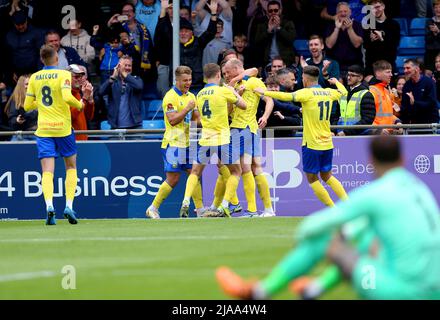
{"type": "Point", "coordinates": [315, 161]}
{"type": "Point", "coordinates": [245, 141]}
{"type": "Point", "coordinates": [49, 147]}
{"type": "Point", "coordinates": [176, 159]}
{"type": "Point", "coordinates": [225, 154]}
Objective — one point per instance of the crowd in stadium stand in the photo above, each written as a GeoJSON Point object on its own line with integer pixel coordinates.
{"type": "Point", "coordinates": [389, 63]}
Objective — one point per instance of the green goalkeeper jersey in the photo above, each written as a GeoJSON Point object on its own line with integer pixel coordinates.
{"type": "Point", "coordinates": [403, 214]}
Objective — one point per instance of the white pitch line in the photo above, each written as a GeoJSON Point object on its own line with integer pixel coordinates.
{"type": "Point", "coordinates": [151, 238]}
{"type": "Point", "coordinates": [26, 276]}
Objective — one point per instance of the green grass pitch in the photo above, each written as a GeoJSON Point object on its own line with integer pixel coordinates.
{"type": "Point", "coordinates": [140, 259]}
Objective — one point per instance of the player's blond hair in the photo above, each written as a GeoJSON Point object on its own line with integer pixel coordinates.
{"type": "Point", "coordinates": [47, 54]}
{"type": "Point", "coordinates": [181, 70]}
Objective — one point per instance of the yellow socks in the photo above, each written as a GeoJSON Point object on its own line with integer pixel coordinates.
{"type": "Point", "coordinates": [164, 191]}
{"type": "Point", "coordinates": [337, 188]}
{"type": "Point", "coordinates": [263, 190]}
{"type": "Point", "coordinates": [219, 191]}
{"type": "Point", "coordinates": [321, 193]}
{"type": "Point", "coordinates": [47, 184]}
{"type": "Point", "coordinates": [231, 188]}
{"type": "Point", "coordinates": [197, 196]}
{"type": "Point", "coordinates": [191, 184]}
{"type": "Point", "coordinates": [225, 173]}
{"type": "Point", "coordinates": [70, 185]}
{"type": "Point", "coordinates": [249, 190]}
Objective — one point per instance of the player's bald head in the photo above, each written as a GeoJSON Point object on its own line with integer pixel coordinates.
{"type": "Point", "coordinates": [234, 63]}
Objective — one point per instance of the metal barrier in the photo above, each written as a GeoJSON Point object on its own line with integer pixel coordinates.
{"type": "Point", "coordinates": [433, 128]}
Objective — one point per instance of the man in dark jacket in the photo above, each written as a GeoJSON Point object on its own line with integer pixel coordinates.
{"type": "Point", "coordinates": [419, 98]}
{"type": "Point", "coordinates": [357, 108]}
{"type": "Point", "coordinates": [191, 47]}
{"type": "Point", "coordinates": [275, 35]}
{"type": "Point", "coordinates": [66, 55]}
{"type": "Point", "coordinates": [125, 96]}
{"type": "Point", "coordinates": [23, 46]}
{"type": "Point", "coordinates": [381, 42]}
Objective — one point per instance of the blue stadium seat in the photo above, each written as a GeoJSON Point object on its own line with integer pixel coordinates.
{"type": "Point", "coordinates": [418, 27]}
{"type": "Point", "coordinates": [153, 124]}
{"type": "Point", "coordinates": [400, 60]}
{"type": "Point", "coordinates": [412, 46]}
{"type": "Point", "coordinates": [152, 109]}
{"type": "Point", "coordinates": [302, 47]}
{"type": "Point", "coordinates": [403, 26]}
{"type": "Point", "coordinates": [155, 110]}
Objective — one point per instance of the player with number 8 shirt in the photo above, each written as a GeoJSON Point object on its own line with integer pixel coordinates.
{"type": "Point", "coordinates": [50, 92]}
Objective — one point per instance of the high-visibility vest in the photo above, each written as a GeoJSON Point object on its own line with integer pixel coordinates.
{"type": "Point", "coordinates": [384, 106]}
{"type": "Point", "coordinates": [351, 111]}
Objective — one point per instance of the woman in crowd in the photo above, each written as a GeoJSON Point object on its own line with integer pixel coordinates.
{"type": "Point", "coordinates": [19, 120]}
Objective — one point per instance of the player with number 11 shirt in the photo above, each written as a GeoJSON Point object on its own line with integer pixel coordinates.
{"type": "Point", "coordinates": [317, 146]}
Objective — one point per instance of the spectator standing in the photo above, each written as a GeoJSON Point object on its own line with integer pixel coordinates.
{"type": "Point", "coordinates": [224, 12]}
{"type": "Point", "coordinates": [381, 42]}
{"type": "Point", "coordinates": [432, 37]}
{"type": "Point", "coordinates": [164, 43]}
{"type": "Point", "coordinates": [18, 118]}
{"type": "Point", "coordinates": [358, 107]}
{"type": "Point", "coordinates": [379, 87]}
{"type": "Point", "coordinates": [397, 95]}
{"type": "Point", "coordinates": [109, 57]}
{"type": "Point", "coordinates": [191, 47]}
{"type": "Point", "coordinates": [284, 113]}
{"type": "Point", "coordinates": [79, 40]}
{"type": "Point", "coordinates": [329, 11]}
{"type": "Point", "coordinates": [328, 68]}
{"type": "Point", "coordinates": [419, 98]}
{"type": "Point", "coordinates": [66, 55]}
{"type": "Point", "coordinates": [344, 39]}
{"type": "Point", "coordinates": [81, 88]}
{"type": "Point", "coordinates": [275, 35]}
{"type": "Point", "coordinates": [23, 46]}
{"type": "Point", "coordinates": [147, 13]}
{"type": "Point", "coordinates": [141, 35]}
{"type": "Point", "coordinates": [216, 45]}
{"type": "Point", "coordinates": [125, 95]}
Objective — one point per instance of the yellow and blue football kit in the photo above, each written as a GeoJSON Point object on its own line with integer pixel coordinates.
{"type": "Point", "coordinates": [317, 146]}
{"type": "Point", "coordinates": [316, 109]}
{"type": "Point", "coordinates": [50, 92]}
{"type": "Point", "coordinates": [212, 103]}
{"type": "Point", "coordinates": [175, 142]}
{"type": "Point", "coordinates": [244, 126]}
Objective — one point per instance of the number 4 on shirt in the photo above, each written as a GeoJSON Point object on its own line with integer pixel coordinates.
{"type": "Point", "coordinates": [206, 112]}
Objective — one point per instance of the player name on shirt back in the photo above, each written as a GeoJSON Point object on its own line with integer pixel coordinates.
{"type": "Point", "coordinates": [46, 76]}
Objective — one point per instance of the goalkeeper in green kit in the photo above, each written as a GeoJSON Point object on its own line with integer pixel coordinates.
{"type": "Point", "coordinates": [385, 239]}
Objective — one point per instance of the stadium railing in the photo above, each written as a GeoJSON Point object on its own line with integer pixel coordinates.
{"type": "Point", "coordinates": [122, 134]}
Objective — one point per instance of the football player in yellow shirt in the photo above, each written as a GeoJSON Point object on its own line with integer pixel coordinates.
{"type": "Point", "coordinates": [317, 146]}
{"type": "Point", "coordinates": [213, 104]}
{"type": "Point", "coordinates": [178, 108]}
{"type": "Point", "coordinates": [244, 132]}
{"type": "Point", "coordinates": [50, 92]}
